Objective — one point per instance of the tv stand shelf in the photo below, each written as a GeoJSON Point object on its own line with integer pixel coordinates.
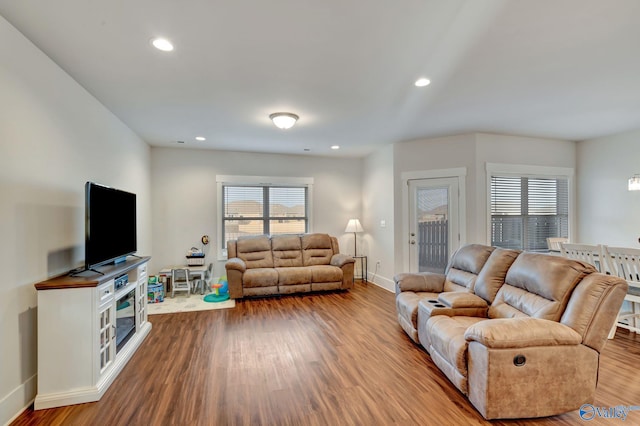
{"type": "Point", "coordinates": [78, 319]}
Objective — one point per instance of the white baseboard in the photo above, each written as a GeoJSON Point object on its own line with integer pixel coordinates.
{"type": "Point", "coordinates": [18, 400]}
{"type": "Point", "coordinates": [382, 282]}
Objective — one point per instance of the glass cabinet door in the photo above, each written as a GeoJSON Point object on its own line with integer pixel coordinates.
{"type": "Point", "coordinates": [106, 336]}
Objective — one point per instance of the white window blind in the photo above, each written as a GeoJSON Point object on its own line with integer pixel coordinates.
{"type": "Point", "coordinates": [525, 211]}
{"type": "Point", "coordinates": [263, 209]}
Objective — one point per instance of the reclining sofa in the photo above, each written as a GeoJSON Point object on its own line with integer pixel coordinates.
{"type": "Point", "coordinates": [518, 333]}
{"type": "Point", "coordinates": [285, 264]}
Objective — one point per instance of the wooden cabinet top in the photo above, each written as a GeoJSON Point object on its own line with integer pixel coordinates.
{"type": "Point", "coordinates": [90, 278]}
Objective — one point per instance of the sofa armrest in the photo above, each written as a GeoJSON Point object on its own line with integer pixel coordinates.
{"type": "Point", "coordinates": [340, 260]}
{"type": "Point", "coordinates": [236, 264]}
{"type": "Point", "coordinates": [422, 281]}
{"type": "Point", "coordinates": [504, 333]}
{"type": "Point", "coordinates": [460, 299]}
{"type": "Point", "coordinates": [428, 308]}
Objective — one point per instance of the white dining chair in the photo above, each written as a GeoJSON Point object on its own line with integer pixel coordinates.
{"type": "Point", "coordinates": [180, 281]}
{"type": "Point", "coordinates": [204, 283]}
{"type": "Point", "coordinates": [625, 263]}
{"type": "Point", "coordinates": [585, 252]}
{"type": "Point", "coordinates": [553, 243]}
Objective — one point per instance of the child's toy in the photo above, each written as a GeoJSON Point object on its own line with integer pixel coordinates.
{"type": "Point", "coordinates": [218, 296]}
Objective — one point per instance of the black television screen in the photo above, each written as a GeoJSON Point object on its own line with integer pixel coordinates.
{"type": "Point", "coordinates": [110, 224]}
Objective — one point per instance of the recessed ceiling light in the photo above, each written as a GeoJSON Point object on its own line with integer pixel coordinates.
{"type": "Point", "coordinates": [162, 44]}
{"type": "Point", "coordinates": [335, 146]}
{"type": "Point", "coordinates": [201, 138]}
{"type": "Point", "coordinates": [421, 82]}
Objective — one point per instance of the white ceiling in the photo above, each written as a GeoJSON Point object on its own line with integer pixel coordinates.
{"type": "Point", "coordinates": [567, 69]}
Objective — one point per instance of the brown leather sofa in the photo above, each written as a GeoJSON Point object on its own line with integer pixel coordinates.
{"type": "Point", "coordinates": [285, 264]}
{"type": "Point", "coordinates": [519, 334]}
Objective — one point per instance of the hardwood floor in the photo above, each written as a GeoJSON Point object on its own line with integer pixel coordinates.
{"type": "Point", "coordinates": [324, 359]}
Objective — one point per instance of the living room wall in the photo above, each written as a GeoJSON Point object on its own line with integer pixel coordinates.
{"type": "Point", "coordinates": [184, 194]}
{"type": "Point", "coordinates": [607, 211]}
{"type": "Point", "coordinates": [518, 150]}
{"type": "Point", "coordinates": [54, 136]}
{"type": "Point", "coordinates": [378, 239]}
{"type": "Point", "coordinates": [468, 151]}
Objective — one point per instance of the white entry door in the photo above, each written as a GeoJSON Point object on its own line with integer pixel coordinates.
{"type": "Point", "coordinates": [433, 223]}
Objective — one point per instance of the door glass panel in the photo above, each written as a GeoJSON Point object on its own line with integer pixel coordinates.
{"type": "Point", "coordinates": [432, 237]}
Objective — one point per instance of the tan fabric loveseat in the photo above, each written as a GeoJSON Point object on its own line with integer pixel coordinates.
{"type": "Point", "coordinates": [284, 264]}
{"type": "Point", "coordinates": [519, 334]}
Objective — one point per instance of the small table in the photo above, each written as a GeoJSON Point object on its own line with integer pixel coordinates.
{"type": "Point", "coordinates": [198, 271]}
{"type": "Point", "coordinates": [363, 268]}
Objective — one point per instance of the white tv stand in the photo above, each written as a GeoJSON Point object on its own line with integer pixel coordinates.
{"type": "Point", "coordinates": [77, 357]}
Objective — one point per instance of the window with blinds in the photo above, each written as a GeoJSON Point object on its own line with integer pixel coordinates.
{"type": "Point", "coordinates": [256, 210]}
{"type": "Point", "coordinates": [525, 211]}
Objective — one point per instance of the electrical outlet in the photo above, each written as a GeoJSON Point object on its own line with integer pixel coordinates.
{"type": "Point", "coordinates": [377, 263]}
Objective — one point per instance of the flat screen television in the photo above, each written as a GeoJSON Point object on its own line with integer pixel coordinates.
{"type": "Point", "coordinates": [110, 225]}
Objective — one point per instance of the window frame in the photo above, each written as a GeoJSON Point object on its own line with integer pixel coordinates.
{"type": "Point", "coordinates": [263, 182]}
{"type": "Point", "coordinates": [529, 171]}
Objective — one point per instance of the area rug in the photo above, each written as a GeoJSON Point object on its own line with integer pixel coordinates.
{"type": "Point", "coordinates": [181, 303]}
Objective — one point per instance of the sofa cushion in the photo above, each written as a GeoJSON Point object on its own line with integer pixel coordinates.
{"type": "Point", "coordinates": [464, 267]}
{"type": "Point", "coordinates": [287, 250]}
{"type": "Point", "coordinates": [317, 249]}
{"type": "Point", "coordinates": [595, 294]}
{"type": "Point", "coordinates": [539, 286]}
{"type": "Point", "coordinates": [325, 274]}
{"type": "Point", "coordinates": [294, 275]}
{"type": "Point", "coordinates": [260, 277]}
{"type": "Point", "coordinates": [494, 273]}
{"type": "Point", "coordinates": [459, 280]}
{"type": "Point", "coordinates": [255, 251]}
{"type": "Point", "coordinates": [447, 342]}
{"type": "Point", "coordinates": [407, 304]}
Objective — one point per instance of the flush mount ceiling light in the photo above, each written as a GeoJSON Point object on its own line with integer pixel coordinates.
{"type": "Point", "coordinates": [634, 183]}
{"type": "Point", "coordinates": [284, 120]}
{"type": "Point", "coordinates": [421, 82]}
{"type": "Point", "coordinates": [335, 146]}
{"type": "Point", "coordinates": [162, 44]}
{"type": "Point", "coordinates": [201, 138]}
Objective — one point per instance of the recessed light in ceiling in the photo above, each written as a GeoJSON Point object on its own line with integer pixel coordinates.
{"type": "Point", "coordinates": [335, 146]}
{"type": "Point", "coordinates": [421, 82]}
{"type": "Point", "coordinates": [162, 44]}
{"type": "Point", "coordinates": [201, 138]}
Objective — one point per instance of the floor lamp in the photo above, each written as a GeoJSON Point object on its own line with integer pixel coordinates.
{"type": "Point", "coordinates": [354, 226]}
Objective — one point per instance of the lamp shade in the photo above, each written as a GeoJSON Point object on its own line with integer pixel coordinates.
{"type": "Point", "coordinates": [353, 226]}
{"type": "Point", "coordinates": [284, 120]}
{"type": "Point", "coordinates": [634, 183]}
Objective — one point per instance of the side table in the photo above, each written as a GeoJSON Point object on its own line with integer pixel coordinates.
{"type": "Point", "coordinates": [363, 267]}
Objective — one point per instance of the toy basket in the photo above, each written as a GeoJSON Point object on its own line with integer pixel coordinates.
{"type": "Point", "coordinates": [155, 293]}
{"type": "Point", "coordinates": [195, 260]}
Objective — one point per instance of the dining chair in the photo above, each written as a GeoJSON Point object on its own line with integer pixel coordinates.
{"type": "Point", "coordinates": [585, 252]}
{"type": "Point", "coordinates": [625, 263]}
{"type": "Point", "coordinates": [208, 276]}
{"type": "Point", "coordinates": [180, 281]}
{"type": "Point", "coordinates": [204, 283]}
{"type": "Point", "coordinates": [553, 243]}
